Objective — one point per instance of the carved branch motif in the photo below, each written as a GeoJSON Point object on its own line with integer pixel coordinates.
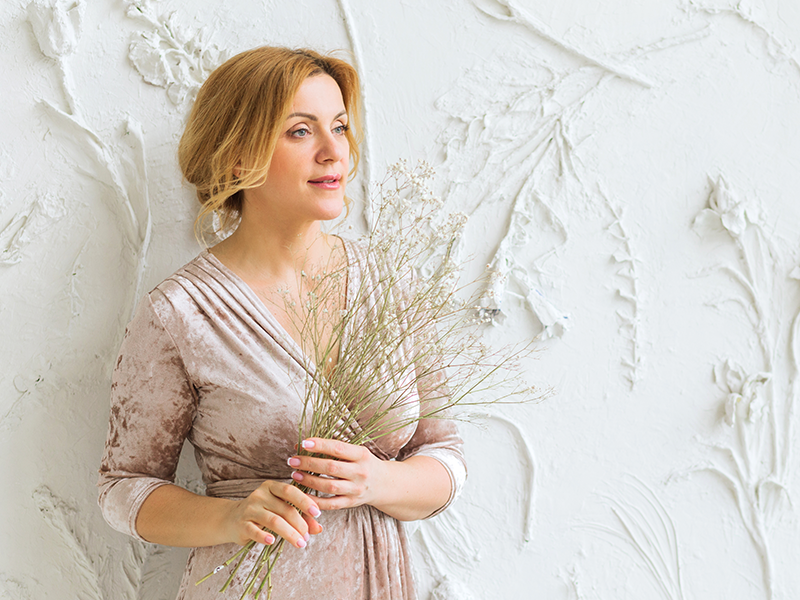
{"type": "Point", "coordinates": [488, 165]}
{"type": "Point", "coordinates": [85, 551]}
{"type": "Point", "coordinates": [507, 10]}
{"type": "Point", "coordinates": [56, 25]}
{"type": "Point", "coordinates": [446, 539]}
{"type": "Point", "coordinates": [512, 142]}
{"type": "Point", "coordinates": [745, 12]}
{"type": "Point", "coordinates": [628, 292]}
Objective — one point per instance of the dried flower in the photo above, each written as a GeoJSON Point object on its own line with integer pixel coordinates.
{"type": "Point", "coordinates": [408, 346]}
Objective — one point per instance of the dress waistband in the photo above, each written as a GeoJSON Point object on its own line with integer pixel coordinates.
{"type": "Point", "coordinates": [235, 488]}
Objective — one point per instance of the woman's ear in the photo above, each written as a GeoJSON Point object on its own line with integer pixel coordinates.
{"type": "Point", "coordinates": [237, 170]}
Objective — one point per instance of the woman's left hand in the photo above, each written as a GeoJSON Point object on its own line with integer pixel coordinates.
{"type": "Point", "coordinates": [353, 475]}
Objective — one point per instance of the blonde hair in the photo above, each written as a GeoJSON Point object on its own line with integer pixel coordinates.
{"type": "Point", "coordinates": [238, 116]}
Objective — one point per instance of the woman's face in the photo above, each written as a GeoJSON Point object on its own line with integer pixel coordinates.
{"type": "Point", "coordinates": [307, 176]}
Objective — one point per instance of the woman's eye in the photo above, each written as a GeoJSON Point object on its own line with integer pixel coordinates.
{"type": "Point", "coordinates": [340, 129]}
{"type": "Point", "coordinates": [303, 132]}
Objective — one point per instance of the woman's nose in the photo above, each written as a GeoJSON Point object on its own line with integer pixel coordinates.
{"type": "Point", "coordinates": [333, 149]}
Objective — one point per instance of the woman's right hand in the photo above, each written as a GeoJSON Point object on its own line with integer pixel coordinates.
{"type": "Point", "coordinates": [272, 506]}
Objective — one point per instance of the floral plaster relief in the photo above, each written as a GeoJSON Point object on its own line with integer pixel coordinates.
{"type": "Point", "coordinates": [445, 543]}
{"type": "Point", "coordinates": [644, 526]}
{"type": "Point", "coordinates": [55, 25]}
{"type": "Point", "coordinates": [757, 401]}
{"type": "Point", "coordinates": [753, 17]}
{"type": "Point", "coordinates": [28, 225]}
{"type": "Point", "coordinates": [512, 141]}
{"type": "Point", "coordinates": [524, 115]}
{"type": "Point", "coordinates": [629, 293]}
{"type": "Point", "coordinates": [365, 165]}
{"type": "Point", "coordinates": [12, 589]}
{"type": "Point", "coordinates": [170, 56]}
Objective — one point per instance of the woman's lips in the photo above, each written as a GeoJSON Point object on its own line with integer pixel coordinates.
{"type": "Point", "coordinates": [328, 182]}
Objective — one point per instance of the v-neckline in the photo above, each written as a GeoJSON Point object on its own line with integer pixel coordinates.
{"type": "Point", "coordinates": [290, 345]}
{"type": "Point", "coordinates": [307, 362]}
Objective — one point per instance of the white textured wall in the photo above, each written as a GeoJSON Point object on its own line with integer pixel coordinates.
{"type": "Point", "coordinates": [632, 166]}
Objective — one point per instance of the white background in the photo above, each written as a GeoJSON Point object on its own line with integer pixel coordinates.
{"type": "Point", "coordinates": [582, 139]}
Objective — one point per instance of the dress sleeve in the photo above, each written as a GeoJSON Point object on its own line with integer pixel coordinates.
{"type": "Point", "coordinates": [152, 408]}
{"type": "Point", "coordinates": [437, 436]}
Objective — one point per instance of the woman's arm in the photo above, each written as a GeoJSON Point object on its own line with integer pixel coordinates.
{"type": "Point", "coordinates": [153, 404]}
{"type": "Point", "coordinates": [406, 490]}
{"type": "Point", "coordinates": [174, 516]}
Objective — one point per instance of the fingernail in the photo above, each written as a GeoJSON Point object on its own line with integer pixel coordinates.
{"type": "Point", "coordinates": [307, 444]}
{"type": "Point", "coordinates": [306, 536]}
{"type": "Point", "coordinates": [301, 543]}
{"type": "Point", "coordinates": [297, 476]}
{"type": "Point", "coordinates": [293, 462]}
{"type": "Point", "coordinates": [269, 539]}
{"type": "Point", "coordinates": [314, 511]}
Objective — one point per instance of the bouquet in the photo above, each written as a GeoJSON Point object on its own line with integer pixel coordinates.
{"type": "Point", "coordinates": [405, 344]}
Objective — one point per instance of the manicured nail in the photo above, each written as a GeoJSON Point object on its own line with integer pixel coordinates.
{"type": "Point", "coordinates": [297, 476]}
{"type": "Point", "coordinates": [269, 539]}
{"type": "Point", "coordinates": [306, 536]}
{"type": "Point", "coordinates": [307, 444]}
{"type": "Point", "coordinates": [293, 462]}
{"type": "Point", "coordinates": [301, 543]}
{"type": "Point", "coordinates": [314, 511]}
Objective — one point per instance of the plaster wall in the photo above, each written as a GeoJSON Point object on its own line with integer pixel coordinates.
{"type": "Point", "coordinates": [632, 168]}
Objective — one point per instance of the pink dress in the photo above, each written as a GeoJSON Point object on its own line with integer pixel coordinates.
{"type": "Point", "coordinates": [203, 360]}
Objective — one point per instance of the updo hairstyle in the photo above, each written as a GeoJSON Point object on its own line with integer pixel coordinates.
{"type": "Point", "coordinates": [238, 116]}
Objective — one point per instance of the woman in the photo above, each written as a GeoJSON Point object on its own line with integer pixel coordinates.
{"type": "Point", "coordinates": [214, 356]}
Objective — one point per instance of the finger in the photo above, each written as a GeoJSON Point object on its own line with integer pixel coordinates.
{"type": "Point", "coordinates": [324, 466]}
{"type": "Point", "coordinates": [276, 524]}
{"type": "Point", "coordinates": [314, 526]}
{"type": "Point", "coordinates": [335, 487]}
{"type": "Point", "coordinates": [258, 535]}
{"type": "Point", "coordinates": [334, 448]}
{"type": "Point", "coordinates": [336, 502]}
{"type": "Point", "coordinates": [296, 497]}
{"type": "Point", "coordinates": [275, 510]}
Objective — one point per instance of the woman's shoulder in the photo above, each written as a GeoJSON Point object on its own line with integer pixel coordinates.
{"type": "Point", "coordinates": [174, 283]}
{"type": "Point", "coordinates": [196, 296]}
{"type": "Point", "coordinates": [175, 293]}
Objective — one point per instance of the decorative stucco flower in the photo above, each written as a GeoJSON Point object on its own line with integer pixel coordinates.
{"type": "Point", "coordinates": [725, 212]}
{"type": "Point", "coordinates": [743, 397]}
{"type": "Point", "coordinates": [174, 58]}
{"type": "Point", "coordinates": [56, 25]}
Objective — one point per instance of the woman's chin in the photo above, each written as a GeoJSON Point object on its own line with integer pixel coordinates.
{"type": "Point", "coordinates": [331, 211]}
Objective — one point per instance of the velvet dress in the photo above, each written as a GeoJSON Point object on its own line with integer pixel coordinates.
{"type": "Point", "coordinates": [204, 360]}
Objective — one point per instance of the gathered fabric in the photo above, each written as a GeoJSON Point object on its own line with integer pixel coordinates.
{"type": "Point", "coordinates": [204, 361]}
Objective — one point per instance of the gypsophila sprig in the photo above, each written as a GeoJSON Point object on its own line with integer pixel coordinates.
{"type": "Point", "coordinates": [407, 345]}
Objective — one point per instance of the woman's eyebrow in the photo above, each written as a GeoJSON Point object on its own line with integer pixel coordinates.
{"type": "Point", "coordinates": [311, 117]}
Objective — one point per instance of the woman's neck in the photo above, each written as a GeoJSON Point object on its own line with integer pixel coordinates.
{"type": "Point", "coordinates": [286, 269]}
{"type": "Point", "coordinates": [266, 256]}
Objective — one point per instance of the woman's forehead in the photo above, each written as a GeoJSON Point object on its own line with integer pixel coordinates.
{"type": "Point", "coordinates": [319, 96]}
